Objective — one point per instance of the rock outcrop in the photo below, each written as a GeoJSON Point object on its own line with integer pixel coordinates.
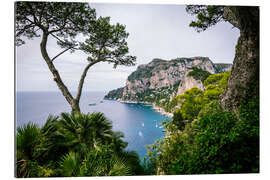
{"type": "Point", "coordinates": [162, 74]}
{"type": "Point", "coordinates": [115, 94]}
{"type": "Point", "coordinates": [222, 67]}
{"type": "Point", "coordinates": [189, 82]}
{"type": "Point", "coordinates": [160, 80]}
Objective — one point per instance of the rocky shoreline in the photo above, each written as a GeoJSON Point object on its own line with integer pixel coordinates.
{"type": "Point", "coordinates": [156, 108]}
{"type": "Point", "coordinates": [162, 111]}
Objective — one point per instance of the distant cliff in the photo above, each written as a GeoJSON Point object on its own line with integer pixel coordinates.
{"type": "Point", "coordinates": [115, 94]}
{"type": "Point", "coordinates": [160, 80]}
{"type": "Point", "coordinates": [222, 67]}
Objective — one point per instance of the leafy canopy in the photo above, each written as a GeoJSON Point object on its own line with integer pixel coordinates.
{"type": "Point", "coordinates": [61, 19]}
{"type": "Point", "coordinates": [65, 21]}
{"type": "Point", "coordinates": [74, 145]}
{"type": "Point", "coordinates": [199, 74]}
{"type": "Point", "coordinates": [215, 141]}
{"type": "Point", "coordinates": [107, 42]}
{"type": "Point", "coordinates": [207, 16]}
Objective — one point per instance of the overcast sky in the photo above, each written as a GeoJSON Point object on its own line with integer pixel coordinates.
{"type": "Point", "coordinates": [156, 31]}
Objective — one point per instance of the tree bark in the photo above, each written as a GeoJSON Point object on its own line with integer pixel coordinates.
{"type": "Point", "coordinates": [80, 86]}
{"type": "Point", "coordinates": [244, 80]}
{"type": "Point", "coordinates": [56, 77]}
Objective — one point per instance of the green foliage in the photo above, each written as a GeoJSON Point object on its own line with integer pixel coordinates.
{"type": "Point", "coordinates": [65, 20]}
{"type": "Point", "coordinates": [207, 16]}
{"type": "Point", "coordinates": [66, 23]}
{"type": "Point", "coordinates": [220, 80]}
{"type": "Point", "coordinates": [159, 96]}
{"type": "Point", "coordinates": [212, 92]}
{"type": "Point", "coordinates": [115, 94]}
{"type": "Point", "coordinates": [107, 43]}
{"type": "Point", "coordinates": [199, 74]}
{"type": "Point", "coordinates": [191, 103]}
{"type": "Point", "coordinates": [104, 163]}
{"type": "Point", "coordinates": [215, 85]}
{"type": "Point", "coordinates": [178, 119]}
{"type": "Point", "coordinates": [70, 164]}
{"type": "Point", "coordinates": [74, 145]}
{"type": "Point", "coordinates": [222, 67]}
{"type": "Point", "coordinates": [216, 141]}
{"type": "Point", "coordinates": [27, 138]}
{"type": "Point", "coordinates": [140, 73]}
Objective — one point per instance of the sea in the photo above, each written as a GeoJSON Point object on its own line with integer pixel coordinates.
{"type": "Point", "coordinates": [140, 123]}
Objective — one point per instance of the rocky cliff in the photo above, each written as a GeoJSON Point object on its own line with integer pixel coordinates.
{"type": "Point", "coordinates": [189, 82]}
{"type": "Point", "coordinates": [222, 67]}
{"type": "Point", "coordinates": [115, 94]}
{"type": "Point", "coordinates": [160, 80]}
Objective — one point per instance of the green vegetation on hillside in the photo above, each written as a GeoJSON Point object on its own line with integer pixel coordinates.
{"type": "Point", "coordinates": [74, 145]}
{"type": "Point", "coordinates": [202, 138]}
{"type": "Point", "coordinates": [159, 96]}
{"type": "Point", "coordinates": [115, 94]}
{"type": "Point", "coordinates": [199, 74]}
{"type": "Point", "coordinates": [221, 67]}
{"type": "Point", "coordinates": [141, 73]}
{"type": "Point", "coordinates": [215, 85]}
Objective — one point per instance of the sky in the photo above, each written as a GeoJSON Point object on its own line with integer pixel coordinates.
{"type": "Point", "coordinates": [155, 31]}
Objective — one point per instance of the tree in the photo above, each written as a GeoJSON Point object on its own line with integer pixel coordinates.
{"type": "Point", "coordinates": [64, 22]}
{"type": "Point", "coordinates": [84, 131]}
{"type": "Point", "coordinates": [244, 80]}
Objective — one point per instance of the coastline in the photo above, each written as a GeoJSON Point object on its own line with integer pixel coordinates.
{"type": "Point", "coordinates": [156, 108]}
{"type": "Point", "coordinates": [162, 111]}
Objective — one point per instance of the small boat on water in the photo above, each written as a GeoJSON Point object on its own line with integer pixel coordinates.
{"type": "Point", "coordinates": [93, 104]}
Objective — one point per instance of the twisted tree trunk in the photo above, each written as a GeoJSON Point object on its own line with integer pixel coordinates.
{"type": "Point", "coordinates": [74, 103]}
{"type": "Point", "coordinates": [244, 80]}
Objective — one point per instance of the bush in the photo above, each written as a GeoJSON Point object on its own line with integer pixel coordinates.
{"type": "Point", "coordinates": [74, 145]}
{"type": "Point", "coordinates": [220, 79]}
{"type": "Point", "coordinates": [202, 138]}
{"type": "Point", "coordinates": [217, 142]}
{"type": "Point", "coordinates": [199, 74]}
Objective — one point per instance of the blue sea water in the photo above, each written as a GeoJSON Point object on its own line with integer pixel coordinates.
{"type": "Point", "coordinates": [139, 122]}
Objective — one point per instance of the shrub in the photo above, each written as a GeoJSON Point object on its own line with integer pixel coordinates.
{"type": "Point", "coordinates": [74, 145]}
{"type": "Point", "coordinates": [199, 74]}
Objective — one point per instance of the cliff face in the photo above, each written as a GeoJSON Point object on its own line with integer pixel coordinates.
{"type": "Point", "coordinates": [115, 94]}
{"type": "Point", "coordinates": [189, 82]}
{"type": "Point", "coordinates": [162, 74]}
{"type": "Point", "coordinates": [222, 67]}
{"type": "Point", "coordinates": [160, 79]}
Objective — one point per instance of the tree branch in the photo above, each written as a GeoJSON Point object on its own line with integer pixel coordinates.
{"type": "Point", "coordinates": [83, 77]}
{"type": "Point", "coordinates": [56, 37]}
{"type": "Point", "coordinates": [54, 71]}
{"type": "Point", "coordinates": [21, 31]}
{"type": "Point", "coordinates": [61, 53]}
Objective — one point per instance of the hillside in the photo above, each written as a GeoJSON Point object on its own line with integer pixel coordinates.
{"type": "Point", "coordinates": [159, 81]}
